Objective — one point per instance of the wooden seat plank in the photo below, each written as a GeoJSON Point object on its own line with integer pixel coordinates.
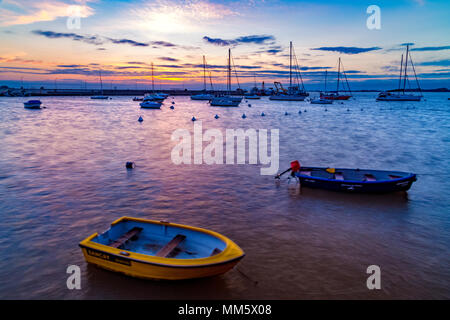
{"type": "Point", "coordinates": [126, 236]}
{"type": "Point", "coordinates": [169, 247]}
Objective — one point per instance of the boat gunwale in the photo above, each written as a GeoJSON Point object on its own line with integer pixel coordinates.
{"type": "Point", "coordinates": [170, 262]}
{"type": "Point", "coordinates": [409, 177]}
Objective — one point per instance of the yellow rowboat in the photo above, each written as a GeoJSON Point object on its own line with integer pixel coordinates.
{"type": "Point", "coordinates": [161, 250]}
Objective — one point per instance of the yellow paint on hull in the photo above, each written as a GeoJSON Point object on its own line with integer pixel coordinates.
{"type": "Point", "coordinates": [152, 267]}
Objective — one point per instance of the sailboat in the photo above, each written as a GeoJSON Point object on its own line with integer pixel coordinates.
{"type": "Point", "coordinates": [152, 100]}
{"type": "Point", "coordinates": [334, 95]}
{"type": "Point", "coordinates": [254, 93]}
{"type": "Point", "coordinates": [204, 95]}
{"type": "Point", "coordinates": [227, 100]}
{"type": "Point", "coordinates": [293, 93]}
{"type": "Point", "coordinates": [100, 97]}
{"type": "Point", "coordinates": [401, 95]}
{"type": "Point", "coordinates": [322, 100]}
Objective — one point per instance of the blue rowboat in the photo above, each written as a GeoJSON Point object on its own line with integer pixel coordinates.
{"type": "Point", "coordinates": [161, 250]}
{"type": "Point", "coordinates": [352, 180]}
{"type": "Point", "coordinates": [32, 104]}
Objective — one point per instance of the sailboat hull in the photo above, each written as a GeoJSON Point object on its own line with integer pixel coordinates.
{"type": "Point", "coordinates": [400, 98]}
{"type": "Point", "coordinates": [339, 97]}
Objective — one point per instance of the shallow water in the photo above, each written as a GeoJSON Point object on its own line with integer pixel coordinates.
{"type": "Point", "coordinates": [63, 177]}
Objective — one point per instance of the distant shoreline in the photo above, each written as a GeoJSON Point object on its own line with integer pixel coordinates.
{"type": "Point", "coordinates": [17, 92]}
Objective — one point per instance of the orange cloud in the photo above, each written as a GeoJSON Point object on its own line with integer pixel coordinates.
{"type": "Point", "coordinates": [27, 12]}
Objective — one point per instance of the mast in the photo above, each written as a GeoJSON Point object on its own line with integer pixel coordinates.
{"type": "Point", "coordinates": [415, 75]}
{"type": "Point", "coordinates": [204, 73]}
{"type": "Point", "coordinates": [290, 64]}
{"type": "Point", "coordinates": [153, 82]}
{"type": "Point", "coordinates": [400, 79]}
{"type": "Point", "coordinates": [326, 73]}
{"type": "Point", "coordinates": [406, 67]}
{"type": "Point", "coordinates": [101, 84]}
{"type": "Point", "coordinates": [229, 72]}
{"type": "Point", "coordinates": [338, 75]}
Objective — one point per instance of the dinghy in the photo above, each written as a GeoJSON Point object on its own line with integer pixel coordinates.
{"type": "Point", "coordinates": [32, 104]}
{"type": "Point", "coordinates": [161, 250]}
{"type": "Point", "coordinates": [351, 180]}
{"type": "Point", "coordinates": [150, 104]}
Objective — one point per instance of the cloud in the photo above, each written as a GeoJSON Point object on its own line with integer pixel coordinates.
{"type": "Point", "coordinates": [253, 39]}
{"type": "Point", "coordinates": [98, 40]}
{"type": "Point", "coordinates": [28, 11]}
{"type": "Point", "coordinates": [168, 59]}
{"type": "Point", "coordinates": [18, 59]}
{"type": "Point", "coordinates": [128, 41]}
{"type": "Point", "coordinates": [347, 50]}
{"type": "Point", "coordinates": [163, 44]}
{"type": "Point", "coordinates": [68, 35]}
{"type": "Point", "coordinates": [431, 48]}
{"type": "Point", "coordinates": [438, 63]}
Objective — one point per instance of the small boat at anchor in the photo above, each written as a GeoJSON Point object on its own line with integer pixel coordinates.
{"type": "Point", "coordinates": [351, 180]}
{"type": "Point", "coordinates": [32, 104]}
{"type": "Point", "coordinates": [161, 250]}
{"type": "Point", "coordinates": [205, 95]}
{"type": "Point", "coordinates": [401, 94]}
{"type": "Point", "coordinates": [227, 100]}
{"type": "Point", "coordinates": [150, 104]}
{"type": "Point", "coordinates": [101, 96]}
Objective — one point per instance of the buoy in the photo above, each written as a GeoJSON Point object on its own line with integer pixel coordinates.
{"type": "Point", "coordinates": [193, 119]}
{"type": "Point", "coordinates": [244, 116]}
{"type": "Point", "coordinates": [172, 107]}
{"type": "Point", "coordinates": [263, 114]}
{"type": "Point", "coordinates": [299, 111]}
{"type": "Point", "coordinates": [173, 102]}
{"type": "Point", "coordinates": [304, 111]}
{"type": "Point", "coordinates": [348, 109]}
{"type": "Point", "coordinates": [362, 109]}
{"type": "Point", "coordinates": [326, 109]}
{"type": "Point", "coordinates": [216, 116]}
{"type": "Point", "coordinates": [249, 105]}
{"type": "Point", "coordinates": [140, 119]}
{"type": "Point", "coordinates": [286, 113]}
{"type": "Point", "coordinates": [129, 165]}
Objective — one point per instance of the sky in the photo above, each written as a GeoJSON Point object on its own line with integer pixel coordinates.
{"type": "Point", "coordinates": [67, 43]}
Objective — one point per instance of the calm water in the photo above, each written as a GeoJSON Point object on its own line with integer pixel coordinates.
{"type": "Point", "coordinates": [62, 178]}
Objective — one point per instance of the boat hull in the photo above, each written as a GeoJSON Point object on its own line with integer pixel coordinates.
{"type": "Point", "coordinates": [381, 186]}
{"type": "Point", "coordinates": [252, 97]}
{"type": "Point", "coordinates": [145, 270]}
{"type": "Point", "coordinates": [203, 97]}
{"type": "Point", "coordinates": [153, 267]}
{"type": "Point", "coordinates": [99, 97]}
{"type": "Point", "coordinates": [400, 99]}
{"type": "Point", "coordinates": [225, 102]}
{"type": "Point", "coordinates": [340, 97]}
